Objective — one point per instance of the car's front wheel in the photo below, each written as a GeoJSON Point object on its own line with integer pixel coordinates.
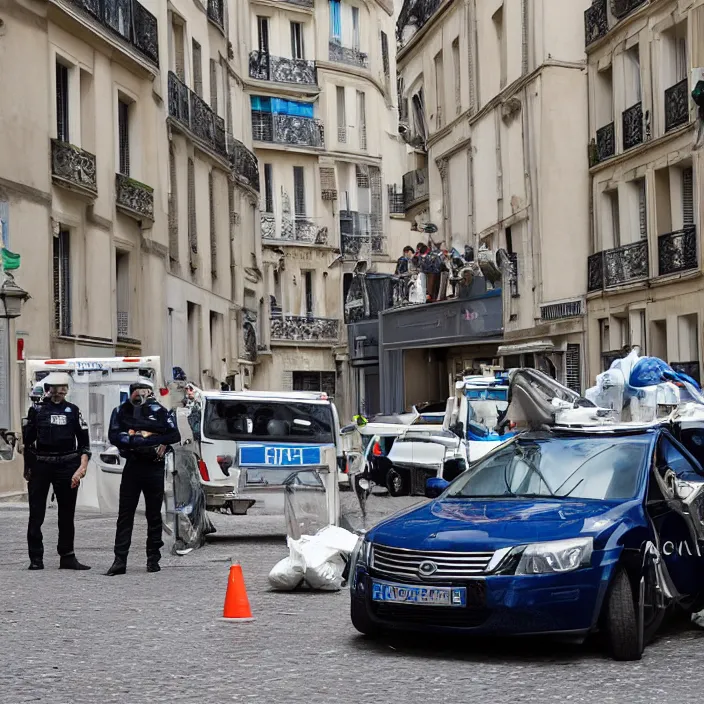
{"type": "Point", "coordinates": [361, 620]}
{"type": "Point", "coordinates": [621, 620]}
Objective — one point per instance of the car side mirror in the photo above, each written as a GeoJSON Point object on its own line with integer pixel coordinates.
{"type": "Point", "coordinates": [434, 487]}
{"type": "Point", "coordinates": [110, 456]}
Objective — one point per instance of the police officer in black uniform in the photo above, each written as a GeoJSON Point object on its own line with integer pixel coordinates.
{"type": "Point", "coordinates": [57, 450]}
{"type": "Point", "coordinates": [141, 429]}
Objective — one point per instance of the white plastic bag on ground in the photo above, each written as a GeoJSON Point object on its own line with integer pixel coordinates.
{"type": "Point", "coordinates": [317, 560]}
{"type": "Point", "coordinates": [288, 573]}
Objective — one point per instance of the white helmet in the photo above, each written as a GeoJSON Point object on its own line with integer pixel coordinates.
{"type": "Point", "coordinates": [56, 379]}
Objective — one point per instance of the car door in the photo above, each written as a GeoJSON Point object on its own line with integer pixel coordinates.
{"type": "Point", "coordinates": [676, 479]}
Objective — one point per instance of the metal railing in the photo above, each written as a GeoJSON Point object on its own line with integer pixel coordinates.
{"type": "Point", "coordinates": [415, 187]}
{"type": "Point", "coordinates": [632, 119]}
{"type": "Point", "coordinates": [605, 142]}
{"type": "Point", "coordinates": [677, 251]}
{"type": "Point", "coordinates": [136, 197]}
{"type": "Point", "coordinates": [618, 266]}
{"type": "Point", "coordinates": [596, 22]}
{"type": "Point", "coordinates": [287, 129]}
{"type": "Point", "coordinates": [216, 13]}
{"type": "Point", "coordinates": [74, 166]}
{"type": "Point", "coordinates": [623, 8]}
{"type": "Point", "coordinates": [128, 19]}
{"type": "Point", "coordinates": [244, 163]}
{"type": "Point", "coordinates": [265, 67]}
{"type": "Point", "coordinates": [677, 105]}
{"type": "Point", "coordinates": [347, 55]}
{"type": "Point", "coordinates": [294, 328]}
{"type": "Point", "coordinates": [413, 17]}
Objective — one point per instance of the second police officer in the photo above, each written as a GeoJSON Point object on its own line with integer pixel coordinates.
{"type": "Point", "coordinates": [141, 429]}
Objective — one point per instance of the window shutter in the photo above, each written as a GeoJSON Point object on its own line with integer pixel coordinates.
{"type": "Point", "coordinates": [213, 233]}
{"type": "Point", "coordinates": [192, 233]}
{"type": "Point", "coordinates": [385, 53]}
{"type": "Point", "coordinates": [197, 70]}
{"type": "Point", "coordinates": [328, 183]}
{"type": "Point", "coordinates": [362, 119]}
{"type": "Point", "coordinates": [57, 283]}
{"type": "Point", "coordinates": [214, 86]}
{"type": "Point", "coordinates": [173, 207]}
{"type": "Point", "coordinates": [573, 368]}
{"type": "Point", "coordinates": [299, 188]}
{"type": "Point", "coordinates": [341, 116]}
{"type": "Point", "coordinates": [62, 282]}
{"type": "Point", "coordinates": [62, 133]}
{"type": "Point", "coordinates": [179, 52]}
{"type": "Point", "coordinates": [642, 210]}
{"type": "Point", "coordinates": [268, 188]}
{"type": "Point", "coordinates": [688, 197]}
{"type": "Point", "coordinates": [458, 75]}
{"type": "Point", "coordinates": [263, 26]}
{"type": "Point", "coordinates": [123, 119]}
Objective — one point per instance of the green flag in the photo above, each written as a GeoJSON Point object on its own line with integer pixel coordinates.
{"type": "Point", "coordinates": [10, 261]}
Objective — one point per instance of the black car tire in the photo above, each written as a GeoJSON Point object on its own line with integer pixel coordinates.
{"type": "Point", "coordinates": [396, 483]}
{"type": "Point", "coordinates": [621, 620]}
{"type": "Point", "coordinates": [360, 619]}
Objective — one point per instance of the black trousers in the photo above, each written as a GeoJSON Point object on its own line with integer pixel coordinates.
{"type": "Point", "coordinates": [42, 477]}
{"type": "Point", "coordinates": [140, 478]}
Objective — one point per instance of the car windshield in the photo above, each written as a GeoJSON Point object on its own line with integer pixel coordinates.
{"type": "Point", "coordinates": [429, 419]}
{"type": "Point", "coordinates": [268, 421]}
{"type": "Point", "coordinates": [603, 468]}
{"type": "Point", "coordinates": [484, 407]}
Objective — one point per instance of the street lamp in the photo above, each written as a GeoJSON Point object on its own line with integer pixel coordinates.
{"type": "Point", "coordinates": [12, 297]}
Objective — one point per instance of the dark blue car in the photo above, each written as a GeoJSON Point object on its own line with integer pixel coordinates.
{"type": "Point", "coordinates": [561, 532]}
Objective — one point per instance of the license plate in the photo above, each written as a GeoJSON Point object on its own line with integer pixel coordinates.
{"type": "Point", "coordinates": [421, 596]}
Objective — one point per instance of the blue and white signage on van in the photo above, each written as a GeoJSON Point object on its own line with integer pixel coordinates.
{"type": "Point", "coordinates": [279, 456]}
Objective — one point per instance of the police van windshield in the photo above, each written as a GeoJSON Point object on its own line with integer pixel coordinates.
{"type": "Point", "coordinates": [484, 407]}
{"type": "Point", "coordinates": [268, 421]}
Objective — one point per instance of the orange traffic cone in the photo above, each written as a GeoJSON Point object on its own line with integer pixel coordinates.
{"type": "Point", "coordinates": [236, 601]}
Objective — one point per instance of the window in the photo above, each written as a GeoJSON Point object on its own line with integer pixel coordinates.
{"type": "Point", "coordinates": [612, 221]}
{"type": "Point", "coordinates": [173, 207]}
{"type": "Point", "coordinates": [297, 48]}
{"type": "Point", "coordinates": [179, 51]}
{"type": "Point", "coordinates": [385, 54]}
{"type": "Point", "coordinates": [633, 84]}
{"type": "Point", "coordinates": [122, 292]}
{"type": "Point", "coordinates": [658, 338]}
{"type": "Point", "coordinates": [192, 233]}
{"type": "Point", "coordinates": [362, 119]}
{"type": "Point", "coordinates": [341, 116]}
{"type": "Point", "coordinates": [355, 28]}
{"type": "Point", "coordinates": [62, 282]}
{"type": "Point", "coordinates": [123, 129]}
{"type": "Point", "coordinates": [263, 34]}
{"type": "Point", "coordinates": [62, 102]}
{"type": "Point", "coordinates": [315, 381]}
{"type": "Point", "coordinates": [499, 26]}
{"type": "Point", "coordinates": [335, 21]}
{"type": "Point", "coordinates": [299, 191]}
{"type": "Point", "coordinates": [458, 75]}
{"type": "Point", "coordinates": [687, 338]}
{"type": "Point", "coordinates": [687, 196]}
{"type": "Point", "coordinates": [268, 188]}
{"type": "Point", "coordinates": [604, 97]}
{"type": "Point", "coordinates": [213, 231]}
{"type": "Point", "coordinates": [419, 114]}
{"type": "Point", "coordinates": [197, 70]}
{"type": "Point", "coordinates": [308, 292]}
{"type": "Point", "coordinates": [439, 89]}
{"type": "Point", "coordinates": [214, 86]}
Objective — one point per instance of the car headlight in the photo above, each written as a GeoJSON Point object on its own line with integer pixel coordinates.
{"type": "Point", "coordinates": [360, 556]}
{"type": "Point", "coordinates": [557, 556]}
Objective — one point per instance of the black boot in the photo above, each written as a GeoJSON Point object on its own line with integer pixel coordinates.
{"type": "Point", "coordinates": [36, 565]}
{"type": "Point", "coordinates": [69, 562]}
{"type": "Point", "coordinates": [118, 567]}
{"type": "Point", "coordinates": [153, 566]}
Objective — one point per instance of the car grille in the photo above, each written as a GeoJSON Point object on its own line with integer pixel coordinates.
{"type": "Point", "coordinates": [405, 564]}
{"type": "Point", "coordinates": [431, 615]}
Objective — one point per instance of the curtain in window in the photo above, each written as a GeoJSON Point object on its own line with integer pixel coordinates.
{"type": "Point", "coordinates": [335, 21]}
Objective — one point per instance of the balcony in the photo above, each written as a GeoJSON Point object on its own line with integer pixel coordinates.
{"type": "Point", "coordinates": [396, 203]}
{"type": "Point", "coordinates": [73, 168]}
{"type": "Point", "coordinates": [293, 328]}
{"type": "Point", "coordinates": [677, 105]}
{"type": "Point", "coordinates": [360, 237]}
{"type": "Point", "coordinates": [677, 251]}
{"type": "Point", "coordinates": [596, 22]}
{"type": "Point", "coordinates": [623, 8]}
{"type": "Point", "coordinates": [244, 164]}
{"type": "Point", "coordinates": [192, 112]}
{"type": "Point", "coordinates": [347, 55]}
{"type": "Point", "coordinates": [265, 67]}
{"type": "Point", "coordinates": [617, 267]}
{"type": "Point", "coordinates": [294, 230]}
{"type": "Point", "coordinates": [632, 126]}
{"type": "Point", "coordinates": [414, 15]}
{"type": "Point", "coordinates": [605, 142]}
{"type": "Point", "coordinates": [216, 13]}
{"type": "Point", "coordinates": [129, 20]}
{"type": "Point", "coordinates": [134, 198]}
{"type": "Point", "coordinates": [287, 129]}
{"type": "Point", "coordinates": [415, 188]}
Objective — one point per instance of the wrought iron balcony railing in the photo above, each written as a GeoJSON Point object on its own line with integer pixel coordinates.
{"type": "Point", "coordinates": [633, 126]}
{"type": "Point", "coordinates": [287, 129]}
{"type": "Point", "coordinates": [415, 187]}
{"type": "Point", "coordinates": [265, 67]}
{"type": "Point", "coordinates": [596, 22]}
{"type": "Point", "coordinates": [361, 235]}
{"type": "Point", "coordinates": [347, 55]}
{"type": "Point", "coordinates": [297, 229]}
{"type": "Point", "coordinates": [216, 13]}
{"type": "Point", "coordinates": [396, 203]}
{"type": "Point", "coordinates": [128, 19]}
{"type": "Point", "coordinates": [135, 198]}
{"type": "Point", "coordinates": [74, 167]}
{"type": "Point", "coordinates": [623, 8]}
{"type": "Point", "coordinates": [677, 105]}
{"type": "Point", "coordinates": [605, 142]}
{"type": "Point", "coordinates": [618, 266]}
{"type": "Point", "coordinates": [191, 111]}
{"type": "Point", "coordinates": [294, 328]}
{"type": "Point", "coordinates": [677, 251]}
{"type": "Point", "coordinates": [244, 163]}
{"type": "Point", "coordinates": [413, 17]}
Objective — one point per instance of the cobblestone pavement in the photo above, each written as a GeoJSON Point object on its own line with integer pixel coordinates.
{"type": "Point", "coordinates": [79, 638]}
